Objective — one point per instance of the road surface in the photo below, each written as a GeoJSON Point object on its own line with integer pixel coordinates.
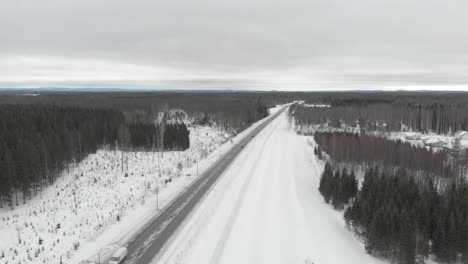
{"type": "Point", "coordinates": [266, 208]}
{"type": "Point", "coordinates": [149, 242]}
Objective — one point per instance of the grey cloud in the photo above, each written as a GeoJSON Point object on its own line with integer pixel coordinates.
{"type": "Point", "coordinates": [238, 38]}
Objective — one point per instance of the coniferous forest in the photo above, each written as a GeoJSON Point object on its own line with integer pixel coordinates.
{"type": "Point", "coordinates": [38, 142]}
{"type": "Point", "coordinates": [40, 136]}
{"type": "Point", "coordinates": [440, 114]}
{"type": "Point", "coordinates": [401, 211]}
{"type": "Point", "coordinates": [400, 219]}
{"type": "Point", "coordinates": [369, 150]}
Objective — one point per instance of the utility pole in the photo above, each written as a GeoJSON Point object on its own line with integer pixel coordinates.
{"type": "Point", "coordinates": [160, 119]}
{"type": "Point", "coordinates": [74, 201]}
{"type": "Point", "coordinates": [159, 165]}
{"type": "Point", "coordinates": [74, 194]}
{"type": "Point", "coordinates": [157, 194]}
{"type": "Point", "coordinates": [18, 229]}
{"type": "Point", "coordinates": [152, 147]}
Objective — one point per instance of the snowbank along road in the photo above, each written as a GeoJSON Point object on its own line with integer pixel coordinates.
{"type": "Point", "coordinates": [266, 209]}
{"type": "Point", "coordinates": [148, 243]}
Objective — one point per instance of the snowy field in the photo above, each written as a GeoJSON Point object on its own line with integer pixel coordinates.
{"type": "Point", "coordinates": [94, 209]}
{"type": "Point", "coordinates": [266, 209]}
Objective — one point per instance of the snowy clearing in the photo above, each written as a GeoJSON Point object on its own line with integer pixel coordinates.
{"type": "Point", "coordinates": [266, 209]}
{"type": "Point", "coordinates": [108, 205]}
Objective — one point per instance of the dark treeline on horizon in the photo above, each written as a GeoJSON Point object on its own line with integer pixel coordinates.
{"type": "Point", "coordinates": [436, 111]}
{"type": "Point", "coordinates": [422, 114]}
{"type": "Point", "coordinates": [232, 110]}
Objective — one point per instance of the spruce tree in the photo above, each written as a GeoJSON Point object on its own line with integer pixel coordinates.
{"type": "Point", "coordinates": [452, 239]}
{"type": "Point", "coordinates": [407, 239]}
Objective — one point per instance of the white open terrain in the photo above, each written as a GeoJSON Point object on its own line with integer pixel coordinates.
{"type": "Point", "coordinates": [266, 209]}
{"type": "Point", "coordinates": [94, 208]}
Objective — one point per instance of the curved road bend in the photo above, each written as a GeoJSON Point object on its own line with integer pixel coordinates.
{"type": "Point", "coordinates": [149, 241]}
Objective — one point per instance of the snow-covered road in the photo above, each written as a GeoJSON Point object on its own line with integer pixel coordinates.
{"type": "Point", "coordinates": [266, 209]}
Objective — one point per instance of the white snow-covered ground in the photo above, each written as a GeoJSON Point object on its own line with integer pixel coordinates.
{"type": "Point", "coordinates": [102, 193]}
{"type": "Point", "coordinates": [266, 209]}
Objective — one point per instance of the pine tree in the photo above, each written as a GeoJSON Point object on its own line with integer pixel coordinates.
{"type": "Point", "coordinates": [464, 249]}
{"type": "Point", "coordinates": [336, 190]}
{"type": "Point", "coordinates": [353, 184]}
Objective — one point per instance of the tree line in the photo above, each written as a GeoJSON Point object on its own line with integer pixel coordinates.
{"type": "Point", "coordinates": [37, 142]}
{"type": "Point", "coordinates": [145, 136]}
{"type": "Point", "coordinates": [364, 149]}
{"type": "Point", "coordinates": [440, 118]}
{"type": "Point", "coordinates": [233, 111]}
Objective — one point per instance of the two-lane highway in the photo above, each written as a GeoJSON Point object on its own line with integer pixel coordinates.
{"type": "Point", "coordinates": [147, 244]}
{"type": "Point", "coordinates": [266, 208]}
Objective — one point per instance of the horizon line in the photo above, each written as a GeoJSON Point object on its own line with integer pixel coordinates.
{"type": "Point", "coordinates": [106, 89]}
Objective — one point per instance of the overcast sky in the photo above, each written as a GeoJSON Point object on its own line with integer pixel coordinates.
{"type": "Point", "coordinates": [254, 44]}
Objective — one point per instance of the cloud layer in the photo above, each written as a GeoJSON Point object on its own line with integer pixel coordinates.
{"type": "Point", "coordinates": [258, 44]}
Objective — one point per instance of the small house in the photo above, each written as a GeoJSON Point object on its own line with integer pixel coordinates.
{"type": "Point", "coordinates": [461, 134]}
{"type": "Point", "coordinates": [412, 136]}
{"type": "Point", "coordinates": [434, 142]}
